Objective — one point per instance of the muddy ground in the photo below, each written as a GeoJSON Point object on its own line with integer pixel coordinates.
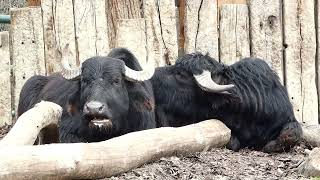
{"type": "Point", "coordinates": [219, 163]}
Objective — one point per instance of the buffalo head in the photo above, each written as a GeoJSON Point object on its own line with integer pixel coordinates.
{"type": "Point", "coordinates": [105, 82]}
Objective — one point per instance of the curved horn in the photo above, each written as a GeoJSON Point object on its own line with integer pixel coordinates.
{"type": "Point", "coordinates": [143, 75]}
{"type": "Point", "coordinates": [67, 72]}
{"type": "Point", "coordinates": [207, 84]}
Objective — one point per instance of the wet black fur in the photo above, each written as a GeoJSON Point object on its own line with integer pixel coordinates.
{"type": "Point", "coordinates": [257, 111]}
{"type": "Point", "coordinates": [130, 103]}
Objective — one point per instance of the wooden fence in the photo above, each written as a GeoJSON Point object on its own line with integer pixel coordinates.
{"type": "Point", "coordinates": [282, 32]}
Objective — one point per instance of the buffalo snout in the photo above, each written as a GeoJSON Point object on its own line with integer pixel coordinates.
{"type": "Point", "coordinates": [95, 108]}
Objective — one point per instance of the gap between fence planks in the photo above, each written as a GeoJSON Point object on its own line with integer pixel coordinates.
{"type": "Point", "coordinates": [112, 157]}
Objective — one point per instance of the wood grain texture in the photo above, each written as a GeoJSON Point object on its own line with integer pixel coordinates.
{"type": "Point", "coordinates": [26, 47]}
{"type": "Point", "coordinates": [5, 80]}
{"type": "Point", "coordinates": [300, 39]}
{"type": "Point", "coordinates": [201, 33]}
{"type": "Point", "coordinates": [161, 30]}
{"type": "Point", "coordinates": [111, 157]}
{"type": "Point", "coordinates": [131, 35]}
{"type": "Point", "coordinates": [90, 28]}
{"type": "Point", "coordinates": [120, 9]}
{"type": "Point", "coordinates": [234, 33]}
{"type": "Point", "coordinates": [266, 33]}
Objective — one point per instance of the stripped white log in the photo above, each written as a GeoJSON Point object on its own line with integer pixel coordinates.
{"type": "Point", "coordinates": [91, 28]}
{"type": "Point", "coordinates": [5, 80]}
{"type": "Point", "coordinates": [162, 40]}
{"type": "Point", "coordinates": [266, 33]}
{"type": "Point", "coordinates": [300, 39]}
{"type": "Point", "coordinates": [120, 9]}
{"type": "Point", "coordinates": [234, 33]}
{"type": "Point", "coordinates": [29, 124]}
{"type": "Point", "coordinates": [311, 165]}
{"type": "Point", "coordinates": [311, 135]}
{"type": "Point", "coordinates": [131, 35]}
{"type": "Point", "coordinates": [112, 157]}
{"type": "Point", "coordinates": [201, 27]}
{"type": "Point", "coordinates": [26, 47]}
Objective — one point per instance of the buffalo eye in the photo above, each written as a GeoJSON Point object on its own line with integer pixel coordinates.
{"type": "Point", "coordinates": [116, 81]}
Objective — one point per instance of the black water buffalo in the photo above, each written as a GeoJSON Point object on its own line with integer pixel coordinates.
{"type": "Point", "coordinates": [105, 97]}
{"type": "Point", "coordinates": [247, 96]}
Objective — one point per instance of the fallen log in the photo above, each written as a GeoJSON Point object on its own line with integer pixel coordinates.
{"type": "Point", "coordinates": [111, 157]}
{"type": "Point", "coordinates": [30, 123]}
{"type": "Point", "coordinates": [311, 135]}
{"type": "Point", "coordinates": [311, 165]}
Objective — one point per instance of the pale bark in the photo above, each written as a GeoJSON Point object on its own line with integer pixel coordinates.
{"type": "Point", "coordinates": [112, 157]}
{"type": "Point", "coordinates": [29, 124]}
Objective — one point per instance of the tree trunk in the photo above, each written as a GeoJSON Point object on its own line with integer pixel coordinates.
{"type": "Point", "coordinates": [112, 157]}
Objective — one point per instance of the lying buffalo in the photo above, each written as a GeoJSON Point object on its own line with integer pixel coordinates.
{"type": "Point", "coordinates": [105, 97]}
{"type": "Point", "coordinates": [247, 96]}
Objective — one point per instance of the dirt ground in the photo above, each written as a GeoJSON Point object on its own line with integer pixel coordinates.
{"type": "Point", "coordinates": [219, 163]}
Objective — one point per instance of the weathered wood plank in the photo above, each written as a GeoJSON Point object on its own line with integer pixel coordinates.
{"type": "Point", "coordinates": [300, 39]}
{"type": "Point", "coordinates": [266, 33]}
{"type": "Point", "coordinates": [26, 47]}
{"type": "Point", "coordinates": [5, 81]}
{"type": "Point", "coordinates": [221, 2]}
{"type": "Point", "coordinates": [120, 9]}
{"type": "Point", "coordinates": [59, 32]}
{"type": "Point", "coordinates": [131, 35]}
{"type": "Point", "coordinates": [91, 28]}
{"type": "Point", "coordinates": [201, 33]}
{"type": "Point", "coordinates": [234, 33]}
{"type": "Point", "coordinates": [64, 29]}
{"type": "Point", "coordinates": [161, 31]}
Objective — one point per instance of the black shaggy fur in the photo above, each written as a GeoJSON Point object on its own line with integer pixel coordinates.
{"type": "Point", "coordinates": [130, 104]}
{"type": "Point", "coordinates": [257, 110]}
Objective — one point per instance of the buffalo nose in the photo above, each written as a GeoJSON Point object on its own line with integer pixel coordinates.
{"type": "Point", "coordinates": [94, 108]}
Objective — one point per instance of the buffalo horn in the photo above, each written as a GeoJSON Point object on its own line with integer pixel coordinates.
{"type": "Point", "coordinates": [136, 76]}
{"type": "Point", "coordinates": [67, 72]}
{"type": "Point", "coordinates": [206, 83]}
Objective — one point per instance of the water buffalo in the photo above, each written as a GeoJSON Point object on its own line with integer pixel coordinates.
{"type": "Point", "coordinates": [106, 97]}
{"type": "Point", "coordinates": [247, 96]}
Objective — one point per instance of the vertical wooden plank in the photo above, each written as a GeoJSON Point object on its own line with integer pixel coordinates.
{"type": "Point", "coordinates": [5, 81]}
{"type": "Point", "coordinates": [221, 2]}
{"type": "Point", "coordinates": [266, 33]}
{"type": "Point", "coordinates": [58, 27]}
{"type": "Point", "coordinates": [300, 39]}
{"type": "Point", "coordinates": [120, 9]}
{"type": "Point", "coordinates": [234, 33]}
{"type": "Point", "coordinates": [201, 32]}
{"type": "Point", "coordinates": [131, 35]}
{"type": "Point", "coordinates": [26, 47]}
{"type": "Point", "coordinates": [162, 40]}
{"type": "Point", "coordinates": [64, 29]}
{"type": "Point", "coordinates": [91, 28]}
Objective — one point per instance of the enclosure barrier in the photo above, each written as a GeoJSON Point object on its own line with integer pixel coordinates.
{"type": "Point", "coordinates": [283, 33]}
